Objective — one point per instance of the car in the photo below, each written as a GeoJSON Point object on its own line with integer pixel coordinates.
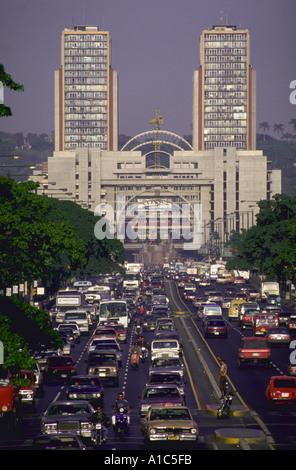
{"type": "Point", "coordinates": [149, 322]}
{"type": "Point", "coordinates": [172, 378]}
{"type": "Point", "coordinates": [105, 331]}
{"type": "Point", "coordinates": [216, 327]}
{"type": "Point", "coordinates": [254, 350]}
{"type": "Point", "coordinates": [86, 387]}
{"type": "Point", "coordinates": [280, 390]}
{"type": "Point", "coordinates": [211, 309]}
{"type": "Point", "coordinates": [27, 391]}
{"type": "Point", "coordinates": [121, 332]}
{"type": "Point", "coordinates": [42, 356]}
{"type": "Point", "coordinates": [70, 416]}
{"type": "Point", "coordinates": [160, 310]}
{"type": "Point", "coordinates": [167, 364]}
{"type": "Point", "coordinates": [159, 395]}
{"type": "Point", "coordinates": [273, 299]}
{"type": "Point", "coordinates": [226, 303]}
{"type": "Point", "coordinates": [167, 423]}
{"type": "Point", "coordinates": [59, 368]}
{"type": "Point", "coordinates": [110, 344]}
{"type": "Point", "coordinates": [278, 335]}
{"type": "Point", "coordinates": [165, 348]}
{"type": "Point", "coordinates": [244, 306]}
{"type": "Point", "coordinates": [163, 321]}
{"type": "Point", "coordinates": [66, 349]}
{"type": "Point", "coordinates": [57, 441]}
{"type": "Point", "coordinates": [198, 300]}
{"type": "Point", "coordinates": [291, 324]}
{"type": "Point", "coordinates": [72, 331]}
{"type": "Point", "coordinates": [239, 280]}
{"type": "Point", "coordinates": [104, 363]}
{"type": "Point", "coordinates": [215, 296]}
{"type": "Point", "coordinates": [247, 320]}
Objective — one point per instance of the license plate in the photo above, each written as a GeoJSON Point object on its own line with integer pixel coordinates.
{"type": "Point", "coordinates": [285, 395]}
{"type": "Point", "coordinates": [173, 438]}
{"type": "Point", "coordinates": [255, 354]}
{"type": "Point", "coordinates": [102, 374]}
{"type": "Point", "coordinates": [63, 376]}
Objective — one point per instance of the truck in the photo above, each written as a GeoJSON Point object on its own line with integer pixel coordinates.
{"type": "Point", "coordinates": [270, 287]}
{"type": "Point", "coordinates": [9, 405]}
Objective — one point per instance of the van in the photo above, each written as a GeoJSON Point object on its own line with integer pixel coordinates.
{"type": "Point", "coordinates": [80, 317]}
{"type": "Point", "coordinates": [234, 308]}
{"type": "Point", "coordinates": [210, 310]}
{"type": "Point", "coordinates": [165, 348]}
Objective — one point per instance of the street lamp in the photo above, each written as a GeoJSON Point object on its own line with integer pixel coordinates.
{"type": "Point", "coordinates": [15, 157]}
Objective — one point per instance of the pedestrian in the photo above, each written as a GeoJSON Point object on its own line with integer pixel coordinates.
{"type": "Point", "coordinates": [222, 376]}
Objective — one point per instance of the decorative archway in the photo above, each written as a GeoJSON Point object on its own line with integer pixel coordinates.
{"type": "Point", "coordinates": [167, 140]}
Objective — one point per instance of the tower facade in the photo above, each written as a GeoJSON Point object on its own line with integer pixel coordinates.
{"type": "Point", "coordinates": [224, 91]}
{"type": "Point", "coordinates": [86, 91]}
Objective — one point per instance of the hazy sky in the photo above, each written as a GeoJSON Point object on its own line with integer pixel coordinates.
{"type": "Point", "coordinates": [155, 49]}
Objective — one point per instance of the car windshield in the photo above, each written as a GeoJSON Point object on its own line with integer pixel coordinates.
{"type": "Point", "coordinates": [61, 360]}
{"type": "Point", "coordinates": [218, 323]}
{"type": "Point", "coordinates": [85, 382]}
{"type": "Point", "coordinates": [170, 414]}
{"type": "Point", "coordinates": [285, 383]}
{"type": "Point", "coordinates": [165, 378]}
{"type": "Point", "coordinates": [160, 392]}
{"type": "Point", "coordinates": [69, 409]}
{"type": "Point", "coordinates": [99, 359]}
{"type": "Point", "coordinates": [165, 362]}
{"type": "Point", "coordinates": [254, 344]}
{"type": "Point", "coordinates": [76, 316]}
{"type": "Point", "coordinates": [165, 344]}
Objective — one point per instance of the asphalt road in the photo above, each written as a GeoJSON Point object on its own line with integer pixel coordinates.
{"type": "Point", "coordinates": [251, 426]}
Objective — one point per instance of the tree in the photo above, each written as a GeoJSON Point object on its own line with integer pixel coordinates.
{"type": "Point", "coordinates": [29, 241]}
{"type": "Point", "coordinates": [7, 81]}
{"type": "Point", "coordinates": [278, 128]}
{"type": "Point", "coordinates": [292, 122]}
{"type": "Point", "coordinates": [269, 246]}
{"type": "Point", "coordinates": [265, 126]}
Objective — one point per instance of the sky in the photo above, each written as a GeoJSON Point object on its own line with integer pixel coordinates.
{"type": "Point", "coordinates": [155, 49]}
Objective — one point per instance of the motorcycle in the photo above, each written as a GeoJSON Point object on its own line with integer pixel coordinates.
{"type": "Point", "coordinates": [224, 409]}
{"type": "Point", "coordinates": [98, 434]}
{"type": "Point", "coordinates": [120, 421]}
{"type": "Point", "coordinates": [135, 359]}
{"type": "Point", "coordinates": [144, 353]}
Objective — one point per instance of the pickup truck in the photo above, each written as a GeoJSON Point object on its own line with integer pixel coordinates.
{"type": "Point", "coordinates": [254, 350]}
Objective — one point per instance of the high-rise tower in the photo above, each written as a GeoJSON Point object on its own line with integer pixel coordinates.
{"type": "Point", "coordinates": [86, 91]}
{"type": "Point", "coordinates": [224, 91]}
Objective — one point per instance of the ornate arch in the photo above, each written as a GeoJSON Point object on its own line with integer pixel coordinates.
{"type": "Point", "coordinates": [146, 141]}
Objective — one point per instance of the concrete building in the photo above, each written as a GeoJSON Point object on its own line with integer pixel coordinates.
{"type": "Point", "coordinates": [224, 91]}
{"type": "Point", "coordinates": [86, 91]}
{"type": "Point", "coordinates": [225, 182]}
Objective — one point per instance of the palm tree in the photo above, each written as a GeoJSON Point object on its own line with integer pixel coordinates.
{"type": "Point", "coordinates": [265, 126]}
{"type": "Point", "coordinates": [279, 128]}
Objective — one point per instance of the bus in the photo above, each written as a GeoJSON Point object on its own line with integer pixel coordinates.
{"type": "Point", "coordinates": [114, 310]}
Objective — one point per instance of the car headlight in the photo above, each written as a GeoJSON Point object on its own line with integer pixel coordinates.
{"type": "Point", "coordinates": [152, 431]}
{"type": "Point", "coordinates": [51, 427]}
{"type": "Point", "coordinates": [85, 425]}
{"type": "Point", "coordinates": [193, 430]}
{"type": "Point", "coordinates": [73, 395]}
{"type": "Point", "coordinates": [97, 395]}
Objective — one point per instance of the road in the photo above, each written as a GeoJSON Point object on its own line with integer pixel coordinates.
{"type": "Point", "coordinates": [270, 429]}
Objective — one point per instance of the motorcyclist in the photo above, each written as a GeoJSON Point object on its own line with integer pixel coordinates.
{"type": "Point", "coordinates": [120, 403]}
{"type": "Point", "coordinates": [100, 417]}
{"type": "Point", "coordinates": [143, 344]}
{"type": "Point", "coordinates": [135, 350]}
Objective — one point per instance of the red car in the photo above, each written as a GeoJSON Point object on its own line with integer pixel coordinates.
{"type": "Point", "coordinates": [281, 389]}
{"type": "Point", "coordinates": [254, 350]}
{"type": "Point", "coordinates": [60, 368]}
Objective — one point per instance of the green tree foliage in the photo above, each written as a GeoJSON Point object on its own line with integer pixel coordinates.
{"type": "Point", "coordinates": [23, 330]}
{"type": "Point", "coordinates": [29, 241]}
{"type": "Point", "coordinates": [7, 81]}
{"type": "Point", "coordinates": [269, 247]}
